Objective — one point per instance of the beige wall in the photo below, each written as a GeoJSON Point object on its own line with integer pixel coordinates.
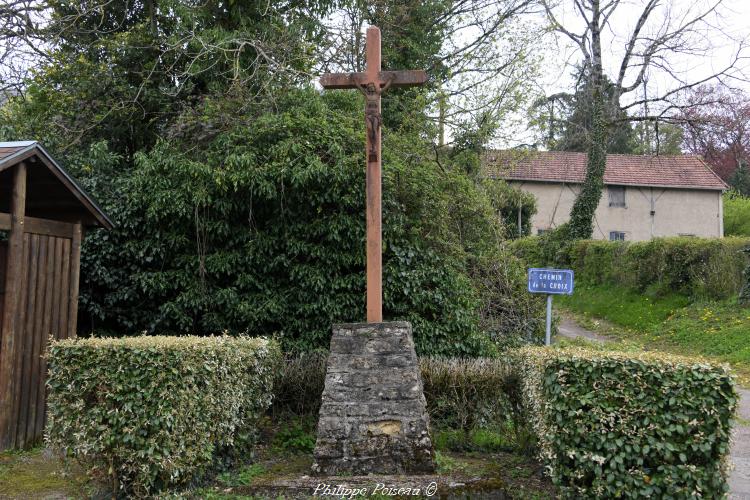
{"type": "Point", "coordinates": [676, 211]}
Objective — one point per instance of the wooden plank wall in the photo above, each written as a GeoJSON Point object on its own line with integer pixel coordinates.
{"type": "Point", "coordinates": [45, 309]}
{"type": "Point", "coordinates": [3, 264]}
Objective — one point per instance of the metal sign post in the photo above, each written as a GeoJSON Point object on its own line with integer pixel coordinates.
{"type": "Point", "coordinates": [548, 334]}
{"type": "Point", "coordinates": [550, 282]}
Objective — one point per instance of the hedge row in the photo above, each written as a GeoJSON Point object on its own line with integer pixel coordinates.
{"type": "Point", "coordinates": [701, 268]}
{"type": "Point", "coordinates": [143, 413]}
{"type": "Point", "coordinates": [629, 425]}
{"type": "Point", "coordinates": [460, 393]}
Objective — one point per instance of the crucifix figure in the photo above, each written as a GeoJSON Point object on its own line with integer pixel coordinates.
{"type": "Point", "coordinates": [372, 83]}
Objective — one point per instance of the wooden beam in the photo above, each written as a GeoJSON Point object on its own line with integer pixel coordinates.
{"type": "Point", "coordinates": [409, 78]}
{"type": "Point", "coordinates": [13, 281]}
{"type": "Point", "coordinates": [40, 226]}
{"type": "Point", "coordinates": [75, 268]}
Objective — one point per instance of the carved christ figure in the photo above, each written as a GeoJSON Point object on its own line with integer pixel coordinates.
{"type": "Point", "coordinates": [373, 118]}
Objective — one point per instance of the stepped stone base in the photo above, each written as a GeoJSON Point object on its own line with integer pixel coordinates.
{"type": "Point", "coordinates": [373, 418]}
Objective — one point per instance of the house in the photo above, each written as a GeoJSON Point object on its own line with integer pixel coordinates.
{"type": "Point", "coordinates": [644, 197]}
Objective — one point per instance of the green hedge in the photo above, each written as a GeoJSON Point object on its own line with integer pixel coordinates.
{"type": "Point", "coordinates": [468, 393]}
{"type": "Point", "coordinates": [697, 267]}
{"type": "Point", "coordinates": [629, 425]}
{"type": "Point", "coordinates": [736, 214]}
{"type": "Point", "coordinates": [147, 412]}
{"type": "Point", "coordinates": [461, 393]}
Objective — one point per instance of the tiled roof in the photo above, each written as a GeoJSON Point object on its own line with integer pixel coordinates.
{"type": "Point", "coordinates": [682, 171]}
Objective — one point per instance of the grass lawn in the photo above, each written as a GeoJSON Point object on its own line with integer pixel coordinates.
{"type": "Point", "coordinates": [718, 330]}
{"type": "Point", "coordinates": [34, 474]}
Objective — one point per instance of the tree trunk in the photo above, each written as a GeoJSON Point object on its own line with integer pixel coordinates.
{"type": "Point", "coordinates": [584, 208]}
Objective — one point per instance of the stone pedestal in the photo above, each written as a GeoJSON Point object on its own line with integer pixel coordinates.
{"type": "Point", "coordinates": [373, 418]}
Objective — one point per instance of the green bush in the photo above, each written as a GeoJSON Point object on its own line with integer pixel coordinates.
{"type": "Point", "coordinates": [147, 412]}
{"type": "Point", "coordinates": [465, 394]}
{"type": "Point", "coordinates": [461, 394]}
{"type": "Point", "coordinates": [736, 214]}
{"type": "Point", "coordinates": [629, 425]}
{"type": "Point", "coordinates": [298, 386]}
{"type": "Point", "coordinates": [529, 250]}
{"type": "Point", "coordinates": [695, 267]}
{"type": "Point", "coordinates": [262, 228]}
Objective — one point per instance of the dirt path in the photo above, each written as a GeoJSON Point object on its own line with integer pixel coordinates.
{"type": "Point", "coordinates": [739, 480]}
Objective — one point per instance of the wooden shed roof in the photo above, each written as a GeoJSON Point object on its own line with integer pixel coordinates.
{"type": "Point", "coordinates": [51, 192]}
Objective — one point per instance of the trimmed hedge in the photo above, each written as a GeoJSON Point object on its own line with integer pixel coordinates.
{"type": "Point", "coordinates": [469, 393]}
{"type": "Point", "coordinates": [147, 412]}
{"type": "Point", "coordinates": [696, 267]}
{"type": "Point", "coordinates": [460, 393]}
{"type": "Point", "coordinates": [629, 425]}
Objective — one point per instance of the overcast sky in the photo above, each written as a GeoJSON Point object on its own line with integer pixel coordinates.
{"type": "Point", "coordinates": [716, 49]}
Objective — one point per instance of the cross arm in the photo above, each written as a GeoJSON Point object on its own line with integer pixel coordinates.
{"type": "Point", "coordinates": [410, 78]}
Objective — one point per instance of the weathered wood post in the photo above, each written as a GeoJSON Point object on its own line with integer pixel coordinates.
{"type": "Point", "coordinates": [13, 277]}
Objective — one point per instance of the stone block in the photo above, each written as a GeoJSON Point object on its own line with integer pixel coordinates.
{"type": "Point", "coordinates": [373, 418]}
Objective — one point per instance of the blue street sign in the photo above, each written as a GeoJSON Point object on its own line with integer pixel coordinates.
{"type": "Point", "coordinates": [551, 281]}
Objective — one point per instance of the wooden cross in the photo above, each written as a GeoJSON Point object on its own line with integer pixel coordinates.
{"type": "Point", "coordinates": [372, 83]}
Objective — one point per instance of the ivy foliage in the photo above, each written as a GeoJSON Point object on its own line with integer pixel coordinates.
{"type": "Point", "coordinates": [581, 224]}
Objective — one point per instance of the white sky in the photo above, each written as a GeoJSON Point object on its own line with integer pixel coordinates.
{"type": "Point", "coordinates": [717, 49]}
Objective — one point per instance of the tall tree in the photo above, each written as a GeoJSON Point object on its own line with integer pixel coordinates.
{"type": "Point", "coordinates": [127, 68]}
{"type": "Point", "coordinates": [480, 54]}
{"type": "Point", "coordinates": [720, 132]}
{"type": "Point", "coordinates": [566, 119]}
{"type": "Point", "coordinates": [664, 30]}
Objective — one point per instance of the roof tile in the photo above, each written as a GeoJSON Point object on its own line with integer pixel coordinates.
{"type": "Point", "coordinates": [681, 171]}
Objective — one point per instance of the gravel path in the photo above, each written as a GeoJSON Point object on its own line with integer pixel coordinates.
{"type": "Point", "coordinates": [739, 480]}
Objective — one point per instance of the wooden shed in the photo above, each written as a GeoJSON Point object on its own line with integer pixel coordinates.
{"type": "Point", "coordinates": [43, 213]}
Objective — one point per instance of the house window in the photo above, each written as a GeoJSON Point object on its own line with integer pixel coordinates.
{"type": "Point", "coordinates": [616, 196]}
{"type": "Point", "coordinates": [540, 232]}
{"type": "Point", "coordinates": [616, 236]}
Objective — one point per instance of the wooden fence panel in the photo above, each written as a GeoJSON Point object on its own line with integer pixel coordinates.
{"type": "Point", "coordinates": [44, 310]}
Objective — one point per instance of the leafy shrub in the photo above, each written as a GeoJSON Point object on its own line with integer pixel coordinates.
{"type": "Point", "coordinates": [508, 314]}
{"type": "Point", "coordinates": [147, 412]}
{"type": "Point", "coordinates": [696, 267]}
{"type": "Point", "coordinates": [467, 393]}
{"type": "Point", "coordinates": [736, 214]}
{"type": "Point", "coordinates": [298, 385]}
{"type": "Point", "coordinates": [296, 436]}
{"type": "Point", "coordinates": [629, 425]}
{"type": "Point", "coordinates": [507, 201]}
{"type": "Point", "coordinates": [529, 250]}
{"type": "Point", "coordinates": [262, 228]}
